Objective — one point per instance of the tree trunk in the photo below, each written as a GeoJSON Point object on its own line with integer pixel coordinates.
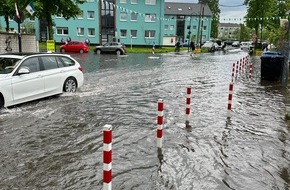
{"type": "Point", "coordinates": [7, 23]}
{"type": "Point", "coordinates": [49, 26]}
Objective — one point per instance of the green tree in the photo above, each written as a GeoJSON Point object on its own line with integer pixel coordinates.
{"type": "Point", "coordinates": [7, 9]}
{"type": "Point", "coordinates": [45, 9]}
{"type": "Point", "coordinates": [214, 7]}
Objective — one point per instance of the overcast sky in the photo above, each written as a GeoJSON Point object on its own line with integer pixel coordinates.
{"type": "Point", "coordinates": [231, 10]}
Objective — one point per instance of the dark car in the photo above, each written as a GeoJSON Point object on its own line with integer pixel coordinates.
{"type": "Point", "coordinates": [111, 47]}
{"type": "Point", "coordinates": [74, 46]}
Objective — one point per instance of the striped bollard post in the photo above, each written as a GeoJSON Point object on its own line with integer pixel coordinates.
{"type": "Point", "coordinates": [159, 123]}
{"type": "Point", "coordinates": [231, 88]}
{"type": "Point", "coordinates": [107, 157]}
{"type": "Point", "coordinates": [233, 72]}
{"type": "Point", "coordinates": [250, 72]}
{"type": "Point", "coordinates": [241, 65]}
{"type": "Point", "coordinates": [187, 110]}
{"type": "Point", "coordinates": [237, 68]}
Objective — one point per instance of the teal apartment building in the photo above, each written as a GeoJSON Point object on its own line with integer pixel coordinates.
{"type": "Point", "coordinates": [132, 22]}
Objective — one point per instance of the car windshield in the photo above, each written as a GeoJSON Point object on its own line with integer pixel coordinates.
{"type": "Point", "coordinates": [7, 64]}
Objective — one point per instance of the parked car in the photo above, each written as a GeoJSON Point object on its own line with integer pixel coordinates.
{"type": "Point", "coordinates": [210, 46]}
{"type": "Point", "coordinates": [74, 46]}
{"type": "Point", "coordinates": [29, 77]}
{"type": "Point", "coordinates": [111, 47]}
{"type": "Point", "coordinates": [236, 44]}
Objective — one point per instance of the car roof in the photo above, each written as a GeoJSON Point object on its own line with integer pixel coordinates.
{"type": "Point", "coordinates": [21, 55]}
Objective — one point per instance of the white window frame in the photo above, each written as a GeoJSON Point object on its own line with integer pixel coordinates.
{"type": "Point", "coordinates": [171, 27]}
{"type": "Point", "coordinates": [134, 33]}
{"type": "Point", "coordinates": [63, 29]}
{"type": "Point", "coordinates": [91, 13]}
{"type": "Point", "coordinates": [166, 27]}
{"type": "Point", "coordinates": [123, 31]}
{"type": "Point", "coordinates": [132, 16]}
{"type": "Point", "coordinates": [150, 2]}
{"type": "Point", "coordinates": [134, 1]}
{"type": "Point", "coordinates": [150, 17]}
{"type": "Point", "coordinates": [151, 33]}
{"type": "Point", "coordinates": [80, 31]}
{"type": "Point", "coordinates": [123, 1]}
{"type": "Point", "coordinates": [123, 16]}
{"type": "Point", "coordinates": [89, 33]}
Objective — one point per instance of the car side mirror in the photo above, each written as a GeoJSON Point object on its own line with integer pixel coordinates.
{"type": "Point", "coordinates": [23, 70]}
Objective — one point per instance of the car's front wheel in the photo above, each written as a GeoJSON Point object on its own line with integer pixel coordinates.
{"type": "Point", "coordinates": [62, 50]}
{"type": "Point", "coordinates": [81, 51]}
{"type": "Point", "coordinates": [98, 51]}
{"type": "Point", "coordinates": [70, 85]}
{"type": "Point", "coordinates": [119, 52]}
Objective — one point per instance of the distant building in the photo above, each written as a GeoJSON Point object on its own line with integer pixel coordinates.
{"type": "Point", "coordinates": [228, 31]}
{"type": "Point", "coordinates": [138, 22]}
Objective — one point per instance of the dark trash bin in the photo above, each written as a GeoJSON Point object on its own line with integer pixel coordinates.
{"type": "Point", "coordinates": [271, 65]}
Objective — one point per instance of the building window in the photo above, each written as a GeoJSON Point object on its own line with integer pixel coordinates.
{"type": "Point", "coordinates": [166, 27]}
{"type": "Point", "coordinates": [150, 2]}
{"type": "Point", "coordinates": [62, 30]}
{"type": "Point", "coordinates": [150, 17]}
{"type": "Point", "coordinates": [194, 27]}
{"type": "Point", "coordinates": [134, 33]}
{"type": "Point", "coordinates": [171, 27]}
{"type": "Point", "coordinates": [149, 33]}
{"type": "Point", "coordinates": [134, 16]}
{"type": "Point", "coordinates": [58, 16]}
{"type": "Point", "coordinates": [204, 27]}
{"type": "Point", "coordinates": [80, 31]}
{"type": "Point", "coordinates": [80, 15]}
{"type": "Point", "coordinates": [123, 16]}
{"type": "Point", "coordinates": [123, 1]}
{"type": "Point", "coordinates": [123, 33]}
{"type": "Point", "coordinates": [91, 32]}
{"type": "Point", "coordinates": [134, 1]}
{"type": "Point", "coordinates": [91, 14]}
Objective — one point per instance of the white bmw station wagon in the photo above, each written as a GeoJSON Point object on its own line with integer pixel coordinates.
{"type": "Point", "coordinates": [29, 77]}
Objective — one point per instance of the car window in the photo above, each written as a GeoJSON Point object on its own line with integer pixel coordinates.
{"type": "Point", "coordinates": [49, 62]}
{"type": "Point", "coordinates": [67, 61]}
{"type": "Point", "coordinates": [7, 64]}
{"type": "Point", "coordinates": [32, 64]}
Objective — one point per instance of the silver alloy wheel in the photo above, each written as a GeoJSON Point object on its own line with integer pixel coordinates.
{"type": "Point", "coordinates": [118, 52]}
{"type": "Point", "coordinates": [70, 85]}
{"type": "Point", "coordinates": [81, 51]}
{"type": "Point", "coordinates": [63, 50]}
{"type": "Point", "coordinates": [99, 51]}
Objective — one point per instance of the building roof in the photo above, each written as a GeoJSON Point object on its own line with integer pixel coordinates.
{"type": "Point", "coordinates": [229, 25]}
{"type": "Point", "coordinates": [172, 8]}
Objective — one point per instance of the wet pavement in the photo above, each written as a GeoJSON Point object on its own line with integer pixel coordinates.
{"type": "Point", "coordinates": [56, 143]}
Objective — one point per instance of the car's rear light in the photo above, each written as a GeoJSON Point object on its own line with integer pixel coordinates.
{"type": "Point", "coordinates": [80, 68]}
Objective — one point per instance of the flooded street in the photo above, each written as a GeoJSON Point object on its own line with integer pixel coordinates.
{"type": "Point", "coordinates": [57, 143]}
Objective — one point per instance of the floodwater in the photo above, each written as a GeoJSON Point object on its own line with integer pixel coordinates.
{"type": "Point", "coordinates": [56, 143]}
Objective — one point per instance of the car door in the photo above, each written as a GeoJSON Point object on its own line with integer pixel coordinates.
{"type": "Point", "coordinates": [28, 86]}
{"type": "Point", "coordinates": [53, 75]}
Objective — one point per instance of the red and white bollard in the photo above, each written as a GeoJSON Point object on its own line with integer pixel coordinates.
{"type": "Point", "coordinates": [160, 123]}
{"type": "Point", "coordinates": [237, 69]}
{"type": "Point", "coordinates": [231, 88]}
{"type": "Point", "coordinates": [250, 72]}
{"type": "Point", "coordinates": [107, 157]}
{"type": "Point", "coordinates": [233, 72]}
{"type": "Point", "coordinates": [187, 109]}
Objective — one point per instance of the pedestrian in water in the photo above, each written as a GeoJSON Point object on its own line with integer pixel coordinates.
{"type": "Point", "coordinates": [192, 46]}
{"type": "Point", "coordinates": [153, 48]}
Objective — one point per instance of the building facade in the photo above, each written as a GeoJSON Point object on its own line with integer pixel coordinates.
{"type": "Point", "coordinates": [135, 22]}
{"type": "Point", "coordinates": [228, 31]}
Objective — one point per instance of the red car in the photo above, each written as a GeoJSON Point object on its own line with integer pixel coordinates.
{"type": "Point", "coordinates": [74, 46]}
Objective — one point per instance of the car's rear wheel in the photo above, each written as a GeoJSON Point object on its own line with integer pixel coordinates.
{"type": "Point", "coordinates": [1, 102]}
{"type": "Point", "coordinates": [98, 51]}
{"type": "Point", "coordinates": [70, 85]}
{"type": "Point", "coordinates": [62, 50]}
{"type": "Point", "coordinates": [119, 52]}
{"type": "Point", "coordinates": [81, 51]}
